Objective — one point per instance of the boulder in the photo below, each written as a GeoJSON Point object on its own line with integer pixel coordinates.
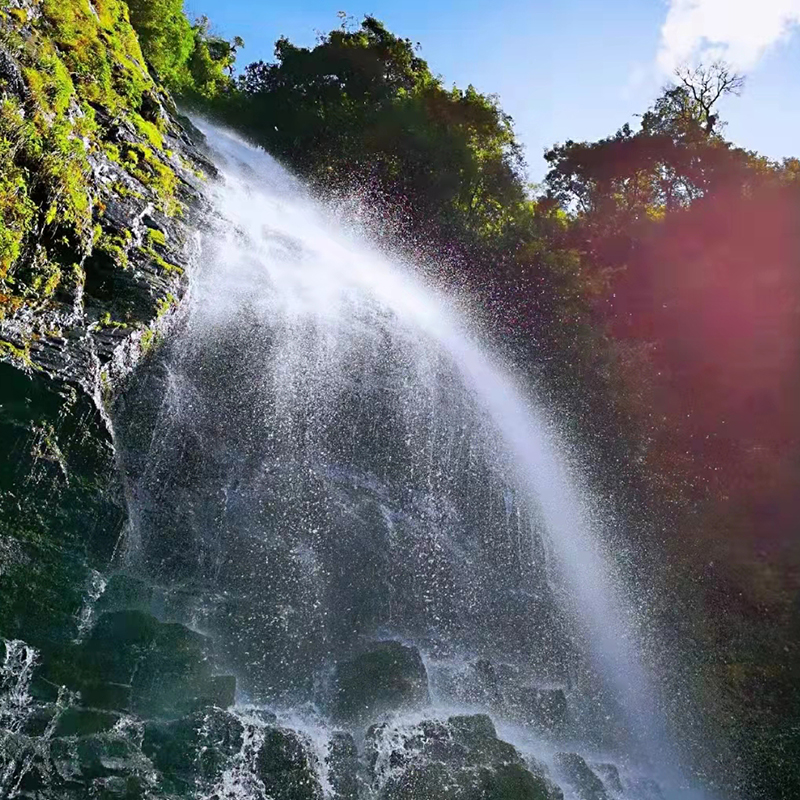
{"type": "Point", "coordinates": [344, 767]}
{"type": "Point", "coordinates": [133, 662]}
{"type": "Point", "coordinates": [84, 722]}
{"type": "Point", "coordinates": [579, 775]}
{"type": "Point", "coordinates": [285, 767]}
{"type": "Point", "coordinates": [193, 749]}
{"type": "Point", "coordinates": [123, 592]}
{"type": "Point", "coordinates": [390, 676]}
{"type": "Point", "coordinates": [458, 759]}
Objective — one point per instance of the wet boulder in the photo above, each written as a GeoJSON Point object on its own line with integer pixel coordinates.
{"type": "Point", "coordinates": [514, 782]}
{"type": "Point", "coordinates": [458, 759]}
{"type": "Point", "coordinates": [477, 735]}
{"type": "Point", "coordinates": [125, 593]}
{"type": "Point", "coordinates": [580, 777]}
{"type": "Point", "coordinates": [344, 767]}
{"type": "Point", "coordinates": [390, 676]}
{"type": "Point", "coordinates": [286, 768]}
{"type": "Point", "coordinates": [193, 749]}
{"type": "Point", "coordinates": [84, 722]}
{"type": "Point", "coordinates": [104, 765]}
{"type": "Point", "coordinates": [131, 661]}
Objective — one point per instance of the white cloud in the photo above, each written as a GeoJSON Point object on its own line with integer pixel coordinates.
{"type": "Point", "coordinates": [738, 31]}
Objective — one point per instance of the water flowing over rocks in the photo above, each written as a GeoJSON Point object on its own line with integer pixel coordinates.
{"type": "Point", "coordinates": [457, 759]}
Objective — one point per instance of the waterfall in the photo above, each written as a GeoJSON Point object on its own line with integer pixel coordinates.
{"type": "Point", "coordinates": [327, 456]}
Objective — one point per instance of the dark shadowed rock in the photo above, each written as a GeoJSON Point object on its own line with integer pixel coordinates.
{"type": "Point", "coordinates": [84, 722]}
{"type": "Point", "coordinates": [192, 749]}
{"type": "Point", "coordinates": [577, 773]}
{"type": "Point", "coordinates": [285, 767]}
{"type": "Point", "coordinates": [344, 767]}
{"type": "Point", "coordinates": [133, 662]}
{"type": "Point", "coordinates": [460, 759]}
{"type": "Point", "coordinates": [388, 677]}
{"type": "Point", "coordinates": [124, 592]}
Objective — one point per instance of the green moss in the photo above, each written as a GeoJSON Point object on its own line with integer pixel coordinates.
{"type": "Point", "coordinates": [17, 210]}
{"type": "Point", "coordinates": [107, 322]}
{"type": "Point", "coordinates": [156, 237]}
{"type": "Point", "coordinates": [149, 340]}
{"type": "Point", "coordinates": [46, 275]}
{"type": "Point", "coordinates": [149, 131]}
{"type": "Point", "coordinates": [123, 190]}
{"type": "Point", "coordinates": [113, 152]}
{"type": "Point", "coordinates": [164, 304]}
{"type": "Point", "coordinates": [18, 15]}
{"type": "Point", "coordinates": [162, 263]}
{"type": "Point", "coordinates": [75, 57]}
{"type": "Point", "coordinates": [115, 246]}
{"type": "Point", "coordinates": [187, 165]}
{"type": "Point", "coordinates": [141, 163]}
{"type": "Point", "coordinates": [167, 266]}
{"type": "Point", "coordinates": [18, 354]}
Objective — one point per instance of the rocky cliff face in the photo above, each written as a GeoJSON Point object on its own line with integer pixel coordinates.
{"type": "Point", "coordinates": [100, 188]}
{"type": "Point", "coordinates": [100, 192]}
{"type": "Point", "coordinates": [100, 183]}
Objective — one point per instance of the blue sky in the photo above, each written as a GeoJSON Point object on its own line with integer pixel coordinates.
{"type": "Point", "coordinates": [566, 69]}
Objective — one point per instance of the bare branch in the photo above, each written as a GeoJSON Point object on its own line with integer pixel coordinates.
{"type": "Point", "coordinates": [706, 85]}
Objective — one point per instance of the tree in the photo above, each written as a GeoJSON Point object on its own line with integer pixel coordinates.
{"type": "Point", "coordinates": [187, 58]}
{"type": "Point", "coordinates": [676, 157]}
{"type": "Point", "coordinates": [706, 85]}
{"type": "Point", "coordinates": [362, 109]}
{"type": "Point", "coordinates": [165, 36]}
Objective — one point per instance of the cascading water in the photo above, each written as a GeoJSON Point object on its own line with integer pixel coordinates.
{"type": "Point", "coordinates": [326, 460]}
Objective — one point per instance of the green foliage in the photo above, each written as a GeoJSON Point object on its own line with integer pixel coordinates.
{"type": "Point", "coordinates": [361, 108]}
{"type": "Point", "coordinates": [188, 59]}
{"type": "Point", "coordinates": [17, 210]}
{"type": "Point", "coordinates": [166, 37]}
